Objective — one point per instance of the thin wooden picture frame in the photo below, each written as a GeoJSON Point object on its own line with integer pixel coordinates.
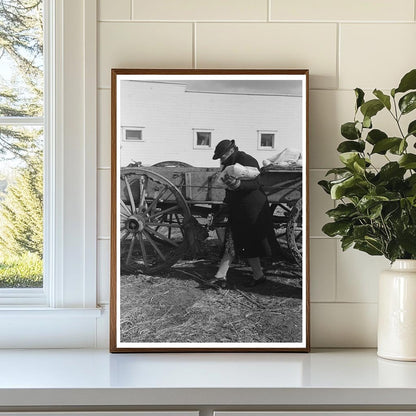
{"type": "Point", "coordinates": [168, 229]}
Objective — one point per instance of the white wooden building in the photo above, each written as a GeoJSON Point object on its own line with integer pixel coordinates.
{"type": "Point", "coordinates": [162, 121]}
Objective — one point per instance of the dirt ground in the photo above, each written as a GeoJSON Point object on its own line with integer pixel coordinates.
{"type": "Point", "coordinates": [179, 306]}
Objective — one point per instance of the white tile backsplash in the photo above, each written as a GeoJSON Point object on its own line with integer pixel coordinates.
{"type": "Point", "coordinates": [345, 44]}
{"type": "Point", "coordinates": [376, 55]}
{"type": "Point", "coordinates": [319, 203]}
{"type": "Point", "coordinates": [323, 269]}
{"type": "Point", "coordinates": [369, 10]}
{"type": "Point", "coordinates": [357, 275]}
{"type": "Point", "coordinates": [114, 10]}
{"type": "Point", "coordinates": [200, 10]}
{"type": "Point", "coordinates": [272, 45]}
{"type": "Point", "coordinates": [142, 45]}
{"type": "Point", "coordinates": [339, 325]}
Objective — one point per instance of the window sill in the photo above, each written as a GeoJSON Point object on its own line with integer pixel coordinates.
{"type": "Point", "coordinates": [40, 327]}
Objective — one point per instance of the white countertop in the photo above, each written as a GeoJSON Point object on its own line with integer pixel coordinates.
{"type": "Point", "coordinates": [96, 377]}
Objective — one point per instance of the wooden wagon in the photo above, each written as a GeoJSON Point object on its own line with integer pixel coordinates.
{"type": "Point", "coordinates": [165, 211]}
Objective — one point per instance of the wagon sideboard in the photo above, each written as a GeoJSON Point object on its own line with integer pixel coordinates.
{"type": "Point", "coordinates": [200, 186]}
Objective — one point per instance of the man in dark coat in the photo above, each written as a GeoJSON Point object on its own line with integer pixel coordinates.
{"type": "Point", "coordinates": [250, 218]}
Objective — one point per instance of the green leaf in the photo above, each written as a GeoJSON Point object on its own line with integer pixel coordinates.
{"type": "Point", "coordinates": [336, 228]}
{"type": "Point", "coordinates": [407, 240]}
{"type": "Point", "coordinates": [391, 170]}
{"type": "Point", "coordinates": [359, 232]}
{"type": "Point", "coordinates": [398, 149]}
{"type": "Point", "coordinates": [349, 146]}
{"type": "Point", "coordinates": [408, 82]}
{"type": "Point", "coordinates": [342, 211]}
{"type": "Point", "coordinates": [349, 131]}
{"type": "Point", "coordinates": [359, 94]}
{"type": "Point", "coordinates": [383, 145]}
{"type": "Point", "coordinates": [375, 211]}
{"type": "Point", "coordinates": [385, 99]}
{"type": "Point", "coordinates": [368, 248]}
{"type": "Point", "coordinates": [408, 102]}
{"type": "Point", "coordinates": [411, 130]}
{"type": "Point", "coordinates": [325, 186]}
{"type": "Point", "coordinates": [408, 161]}
{"type": "Point", "coordinates": [350, 187]}
{"type": "Point", "coordinates": [348, 158]}
{"type": "Point", "coordinates": [371, 108]}
{"type": "Point", "coordinates": [367, 122]}
{"type": "Point", "coordinates": [375, 136]}
{"type": "Point", "coordinates": [346, 242]}
{"type": "Point", "coordinates": [338, 171]}
{"type": "Point", "coordinates": [369, 201]}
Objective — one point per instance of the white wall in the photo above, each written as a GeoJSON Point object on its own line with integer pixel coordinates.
{"type": "Point", "coordinates": [345, 44]}
{"type": "Point", "coordinates": [168, 115]}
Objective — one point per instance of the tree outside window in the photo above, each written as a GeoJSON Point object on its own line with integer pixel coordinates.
{"type": "Point", "coordinates": [21, 143]}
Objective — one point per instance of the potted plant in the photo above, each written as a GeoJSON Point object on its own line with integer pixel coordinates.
{"type": "Point", "coordinates": [376, 206]}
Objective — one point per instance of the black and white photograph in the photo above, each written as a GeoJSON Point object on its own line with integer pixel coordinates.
{"type": "Point", "coordinates": [209, 244]}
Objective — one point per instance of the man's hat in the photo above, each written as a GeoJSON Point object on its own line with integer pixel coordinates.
{"type": "Point", "coordinates": [222, 147]}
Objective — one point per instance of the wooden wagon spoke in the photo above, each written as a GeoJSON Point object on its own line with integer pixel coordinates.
{"type": "Point", "coordinates": [124, 215]}
{"type": "Point", "coordinates": [133, 240]}
{"type": "Point", "coordinates": [124, 235]}
{"type": "Point", "coordinates": [177, 219]}
{"type": "Point", "coordinates": [161, 236]}
{"type": "Point", "coordinates": [154, 245]}
{"type": "Point", "coordinates": [143, 249]}
{"type": "Point", "coordinates": [142, 203]}
{"type": "Point", "coordinates": [163, 224]}
{"type": "Point", "coordinates": [124, 206]}
{"type": "Point", "coordinates": [156, 200]}
{"type": "Point", "coordinates": [132, 203]}
{"type": "Point", "coordinates": [163, 212]}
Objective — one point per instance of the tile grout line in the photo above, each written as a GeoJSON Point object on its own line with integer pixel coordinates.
{"type": "Point", "coordinates": [229, 21]}
{"type": "Point", "coordinates": [131, 9]}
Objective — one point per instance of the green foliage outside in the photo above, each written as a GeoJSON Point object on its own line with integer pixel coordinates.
{"type": "Point", "coordinates": [21, 147]}
{"type": "Point", "coordinates": [21, 271]}
{"type": "Point", "coordinates": [376, 210]}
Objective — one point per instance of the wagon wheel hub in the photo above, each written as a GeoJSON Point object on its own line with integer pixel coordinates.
{"type": "Point", "coordinates": [136, 223]}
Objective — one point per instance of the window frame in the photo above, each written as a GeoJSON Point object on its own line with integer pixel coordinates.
{"type": "Point", "coordinates": [65, 313]}
{"type": "Point", "coordinates": [133, 128]}
{"type": "Point", "coordinates": [259, 137]}
{"type": "Point", "coordinates": [195, 139]}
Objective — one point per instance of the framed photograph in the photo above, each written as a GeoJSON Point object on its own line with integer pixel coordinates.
{"type": "Point", "coordinates": [209, 211]}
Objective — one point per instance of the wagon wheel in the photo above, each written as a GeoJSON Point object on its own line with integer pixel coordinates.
{"type": "Point", "coordinates": [154, 219]}
{"type": "Point", "coordinates": [281, 214]}
{"type": "Point", "coordinates": [294, 232]}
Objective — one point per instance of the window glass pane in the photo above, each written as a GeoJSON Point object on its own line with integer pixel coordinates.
{"type": "Point", "coordinates": [21, 207]}
{"type": "Point", "coordinates": [21, 58]}
{"type": "Point", "coordinates": [203, 138]}
{"type": "Point", "coordinates": [21, 143]}
{"type": "Point", "coordinates": [267, 140]}
{"type": "Point", "coordinates": [133, 134]}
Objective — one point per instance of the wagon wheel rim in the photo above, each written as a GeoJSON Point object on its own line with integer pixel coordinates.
{"type": "Point", "coordinates": [294, 232]}
{"type": "Point", "coordinates": [154, 218]}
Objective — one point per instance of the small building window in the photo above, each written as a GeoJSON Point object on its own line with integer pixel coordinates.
{"type": "Point", "coordinates": [133, 134]}
{"type": "Point", "coordinates": [266, 140]}
{"type": "Point", "coordinates": [202, 139]}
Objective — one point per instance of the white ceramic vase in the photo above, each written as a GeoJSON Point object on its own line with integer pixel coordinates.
{"type": "Point", "coordinates": [397, 312]}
